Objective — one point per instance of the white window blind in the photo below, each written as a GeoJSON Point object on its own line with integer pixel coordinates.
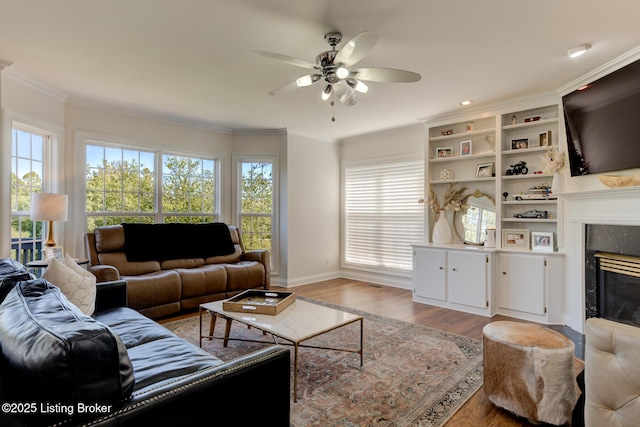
{"type": "Point", "coordinates": [383, 216]}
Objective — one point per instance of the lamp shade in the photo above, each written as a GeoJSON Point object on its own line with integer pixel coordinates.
{"type": "Point", "coordinates": [49, 207]}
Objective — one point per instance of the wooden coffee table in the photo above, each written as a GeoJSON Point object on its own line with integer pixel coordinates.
{"type": "Point", "coordinates": [297, 323]}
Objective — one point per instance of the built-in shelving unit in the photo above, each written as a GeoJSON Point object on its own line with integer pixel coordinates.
{"type": "Point", "coordinates": [534, 129]}
{"type": "Point", "coordinates": [518, 283]}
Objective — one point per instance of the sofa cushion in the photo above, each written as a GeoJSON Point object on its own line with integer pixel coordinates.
{"type": "Point", "coordinates": [205, 280]}
{"type": "Point", "coordinates": [78, 287]}
{"type": "Point", "coordinates": [109, 239]}
{"type": "Point", "coordinates": [154, 289]}
{"type": "Point", "coordinates": [11, 272]}
{"type": "Point", "coordinates": [243, 275]}
{"type": "Point", "coordinates": [231, 257]}
{"type": "Point", "coordinates": [170, 264]}
{"type": "Point", "coordinates": [125, 267]}
{"type": "Point", "coordinates": [157, 355]}
{"type": "Point", "coordinates": [52, 352]}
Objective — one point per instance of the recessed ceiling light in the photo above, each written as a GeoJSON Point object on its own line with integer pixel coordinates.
{"type": "Point", "coordinates": [579, 50]}
{"type": "Point", "coordinates": [466, 102]}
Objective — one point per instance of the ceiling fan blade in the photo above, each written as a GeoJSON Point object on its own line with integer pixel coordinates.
{"type": "Point", "coordinates": [345, 94]}
{"type": "Point", "coordinates": [287, 59]}
{"type": "Point", "coordinates": [386, 75]}
{"type": "Point", "coordinates": [357, 48]}
{"type": "Point", "coordinates": [286, 88]}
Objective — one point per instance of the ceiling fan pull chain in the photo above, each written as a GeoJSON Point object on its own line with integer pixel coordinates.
{"type": "Point", "coordinates": [333, 111]}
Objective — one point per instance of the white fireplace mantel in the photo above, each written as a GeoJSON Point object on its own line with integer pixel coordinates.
{"type": "Point", "coordinates": [616, 206]}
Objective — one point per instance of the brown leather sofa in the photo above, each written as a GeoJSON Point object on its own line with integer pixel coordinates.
{"type": "Point", "coordinates": [160, 287]}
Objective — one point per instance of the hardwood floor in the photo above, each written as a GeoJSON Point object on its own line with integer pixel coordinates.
{"type": "Point", "coordinates": [396, 303]}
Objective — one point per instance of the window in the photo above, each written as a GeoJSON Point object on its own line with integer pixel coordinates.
{"type": "Point", "coordinates": [122, 186]}
{"type": "Point", "coordinates": [27, 176]}
{"type": "Point", "coordinates": [382, 214]}
{"type": "Point", "coordinates": [257, 204]}
{"type": "Point", "coordinates": [188, 189]}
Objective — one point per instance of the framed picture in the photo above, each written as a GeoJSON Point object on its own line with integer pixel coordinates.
{"type": "Point", "coordinates": [515, 239]}
{"type": "Point", "coordinates": [51, 252]}
{"type": "Point", "coordinates": [465, 148]}
{"type": "Point", "coordinates": [444, 152]}
{"type": "Point", "coordinates": [520, 143]}
{"type": "Point", "coordinates": [541, 241]}
{"type": "Point", "coordinates": [545, 139]}
{"type": "Point", "coordinates": [484, 170]}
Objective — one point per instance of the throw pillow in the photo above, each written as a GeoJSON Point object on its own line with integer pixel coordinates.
{"type": "Point", "coordinates": [79, 287]}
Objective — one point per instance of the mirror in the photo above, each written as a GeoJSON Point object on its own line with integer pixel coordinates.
{"type": "Point", "coordinates": [471, 226]}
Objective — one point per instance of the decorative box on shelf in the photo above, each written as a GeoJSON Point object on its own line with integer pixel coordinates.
{"type": "Point", "coordinates": [259, 302]}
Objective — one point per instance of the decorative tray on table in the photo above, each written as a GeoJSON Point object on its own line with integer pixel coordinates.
{"type": "Point", "coordinates": [259, 302]}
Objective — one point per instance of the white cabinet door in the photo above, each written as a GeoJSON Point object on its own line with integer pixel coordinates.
{"type": "Point", "coordinates": [468, 278]}
{"type": "Point", "coordinates": [430, 274]}
{"type": "Point", "coordinates": [522, 283]}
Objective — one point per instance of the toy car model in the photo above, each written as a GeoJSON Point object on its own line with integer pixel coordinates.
{"type": "Point", "coordinates": [533, 213]}
{"type": "Point", "coordinates": [539, 192]}
{"type": "Point", "coordinates": [519, 168]}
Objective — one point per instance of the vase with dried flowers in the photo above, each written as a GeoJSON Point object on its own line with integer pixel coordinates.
{"type": "Point", "coordinates": [454, 200]}
{"type": "Point", "coordinates": [551, 162]}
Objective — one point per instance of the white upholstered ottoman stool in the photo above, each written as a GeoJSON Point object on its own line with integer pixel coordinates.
{"type": "Point", "coordinates": [529, 371]}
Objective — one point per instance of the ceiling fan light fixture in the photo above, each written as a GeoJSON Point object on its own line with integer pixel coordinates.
{"type": "Point", "coordinates": [577, 51]}
{"type": "Point", "coordinates": [358, 85]}
{"type": "Point", "coordinates": [326, 92]}
{"type": "Point", "coordinates": [342, 73]}
{"type": "Point", "coordinates": [307, 80]}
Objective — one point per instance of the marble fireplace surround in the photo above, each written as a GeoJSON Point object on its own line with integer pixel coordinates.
{"type": "Point", "coordinates": [619, 207]}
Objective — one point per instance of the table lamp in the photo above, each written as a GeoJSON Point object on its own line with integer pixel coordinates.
{"type": "Point", "coordinates": [49, 207]}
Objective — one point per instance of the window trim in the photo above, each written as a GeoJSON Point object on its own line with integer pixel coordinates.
{"type": "Point", "coordinates": [53, 167]}
{"type": "Point", "coordinates": [376, 161]}
{"type": "Point", "coordinates": [238, 159]}
{"type": "Point", "coordinates": [82, 139]}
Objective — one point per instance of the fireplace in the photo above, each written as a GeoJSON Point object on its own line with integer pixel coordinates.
{"type": "Point", "coordinates": [612, 272]}
{"type": "Point", "coordinates": [618, 285]}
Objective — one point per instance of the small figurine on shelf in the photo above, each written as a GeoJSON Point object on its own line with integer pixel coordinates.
{"type": "Point", "coordinates": [505, 195]}
{"type": "Point", "coordinates": [519, 168]}
{"type": "Point", "coordinates": [514, 119]}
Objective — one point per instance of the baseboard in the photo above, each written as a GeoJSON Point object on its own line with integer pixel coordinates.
{"type": "Point", "coordinates": [292, 283]}
{"type": "Point", "coordinates": [377, 278]}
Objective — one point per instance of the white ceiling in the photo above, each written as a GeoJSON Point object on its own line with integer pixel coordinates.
{"type": "Point", "coordinates": [192, 61]}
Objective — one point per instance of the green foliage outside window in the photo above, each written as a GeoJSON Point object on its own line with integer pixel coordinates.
{"type": "Point", "coordinates": [121, 188]}
{"type": "Point", "coordinates": [257, 205]}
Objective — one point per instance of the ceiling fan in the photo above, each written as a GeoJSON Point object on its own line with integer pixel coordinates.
{"type": "Point", "coordinates": [333, 69]}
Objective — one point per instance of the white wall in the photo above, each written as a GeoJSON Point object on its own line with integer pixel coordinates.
{"type": "Point", "coordinates": [404, 141]}
{"type": "Point", "coordinates": [313, 221]}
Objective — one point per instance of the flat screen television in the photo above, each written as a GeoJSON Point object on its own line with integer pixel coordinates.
{"type": "Point", "coordinates": [602, 121]}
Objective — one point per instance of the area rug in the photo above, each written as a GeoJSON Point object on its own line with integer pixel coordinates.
{"type": "Point", "coordinates": [412, 375]}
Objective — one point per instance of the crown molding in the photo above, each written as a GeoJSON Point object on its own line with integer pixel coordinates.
{"type": "Point", "coordinates": [34, 84]}
{"type": "Point", "coordinates": [619, 62]}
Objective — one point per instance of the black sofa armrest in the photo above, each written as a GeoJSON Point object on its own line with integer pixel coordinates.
{"type": "Point", "coordinates": [188, 400]}
{"type": "Point", "coordinates": [111, 295]}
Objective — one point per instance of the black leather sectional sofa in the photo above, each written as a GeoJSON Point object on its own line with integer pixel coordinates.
{"type": "Point", "coordinates": [119, 368]}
